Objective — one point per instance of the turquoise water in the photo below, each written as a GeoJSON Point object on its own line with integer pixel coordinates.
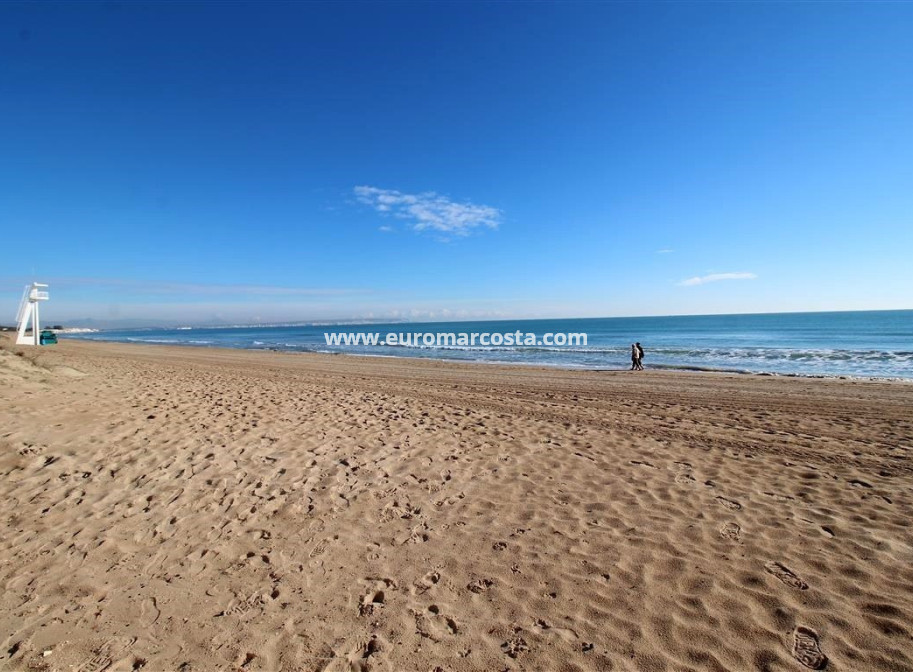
{"type": "Point", "coordinates": [863, 344]}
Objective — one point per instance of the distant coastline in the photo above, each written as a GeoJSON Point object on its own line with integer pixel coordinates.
{"type": "Point", "coordinates": [94, 324]}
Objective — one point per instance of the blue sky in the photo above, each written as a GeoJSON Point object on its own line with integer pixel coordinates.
{"type": "Point", "coordinates": [236, 162]}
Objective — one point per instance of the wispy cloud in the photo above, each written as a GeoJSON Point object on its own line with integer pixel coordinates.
{"type": "Point", "coordinates": [430, 211]}
{"type": "Point", "coordinates": [665, 250]}
{"type": "Point", "coordinates": [716, 277]}
{"type": "Point", "coordinates": [244, 290]}
{"type": "Point", "coordinates": [187, 289]}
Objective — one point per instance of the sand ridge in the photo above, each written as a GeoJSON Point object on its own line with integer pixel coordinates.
{"type": "Point", "coordinates": [202, 509]}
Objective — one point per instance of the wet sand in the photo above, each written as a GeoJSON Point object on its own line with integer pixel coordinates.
{"type": "Point", "coordinates": [167, 508]}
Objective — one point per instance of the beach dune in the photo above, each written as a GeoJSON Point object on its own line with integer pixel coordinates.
{"type": "Point", "coordinates": [168, 508]}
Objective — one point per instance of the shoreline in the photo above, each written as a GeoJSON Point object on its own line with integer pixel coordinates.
{"type": "Point", "coordinates": [543, 365]}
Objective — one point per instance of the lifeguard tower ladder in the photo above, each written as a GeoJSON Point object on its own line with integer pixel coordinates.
{"type": "Point", "coordinates": [28, 310]}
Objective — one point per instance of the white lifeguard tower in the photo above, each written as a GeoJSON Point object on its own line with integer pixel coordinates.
{"type": "Point", "coordinates": [28, 311]}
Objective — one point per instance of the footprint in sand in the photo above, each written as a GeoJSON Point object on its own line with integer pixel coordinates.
{"type": "Point", "coordinates": [244, 660]}
{"type": "Point", "coordinates": [31, 449]}
{"type": "Point", "coordinates": [433, 624]}
{"type": "Point", "coordinates": [149, 612]}
{"type": "Point", "coordinates": [449, 623]}
{"type": "Point", "coordinates": [731, 531]}
{"type": "Point", "coordinates": [807, 650]}
{"type": "Point", "coordinates": [684, 477]}
{"type": "Point", "coordinates": [239, 608]}
{"type": "Point", "coordinates": [319, 549]}
{"type": "Point", "coordinates": [371, 602]}
{"type": "Point", "coordinates": [100, 661]}
{"type": "Point", "coordinates": [426, 583]}
{"type": "Point", "coordinates": [544, 628]}
{"type": "Point", "coordinates": [786, 575]}
{"type": "Point", "coordinates": [364, 657]}
{"type": "Point", "coordinates": [480, 585]}
{"type": "Point", "coordinates": [730, 504]}
{"type": "Point", "coordinates": [424, 627]}
{"type": "Point", "coordinates": [418, 535]}
{"type": "Point", "coordinates": [516, 645]}
{"type": "Point", "coordinates": [374, 598]}
{"type": "Point", "coordinates": [106, 654]}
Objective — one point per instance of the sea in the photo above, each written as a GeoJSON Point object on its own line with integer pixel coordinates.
{"type": "Point", "coordinates": [872, 344]}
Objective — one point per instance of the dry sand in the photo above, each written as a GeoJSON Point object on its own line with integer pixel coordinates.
{"type": "Point", "coordinates": [200, 509]}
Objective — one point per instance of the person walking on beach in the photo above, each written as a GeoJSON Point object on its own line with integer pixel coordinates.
{"type": "Point", "coordinates": [640, 356]}
{"type": "Point", "coordinates": [635, 362]}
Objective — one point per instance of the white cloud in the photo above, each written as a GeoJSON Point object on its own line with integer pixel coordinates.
{"type": "Point", "coordinates": [429, 210]}
{"type": "Point", "coordinates": [665, 250]}
{"type": "Point", "coordinates": [716, 277]}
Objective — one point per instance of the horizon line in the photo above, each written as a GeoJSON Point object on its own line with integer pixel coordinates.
{"type": "Point", "coordinates": [363, 321]}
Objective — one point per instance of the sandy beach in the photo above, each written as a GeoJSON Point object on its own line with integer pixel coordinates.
{"type": "Point", "coordinates": [167, 508]}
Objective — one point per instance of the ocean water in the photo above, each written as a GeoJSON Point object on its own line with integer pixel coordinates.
{"type": "Point", "coordinates": [855, 344]}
